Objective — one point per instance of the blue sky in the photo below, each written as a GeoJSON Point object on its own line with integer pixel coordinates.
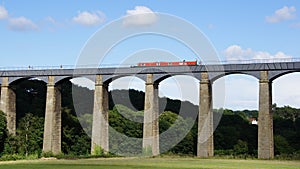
{"type": "Point", "coordinates": [42, 33]}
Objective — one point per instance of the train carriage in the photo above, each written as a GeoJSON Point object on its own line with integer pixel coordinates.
{"type": "Point", "coordinates": [152, 64]}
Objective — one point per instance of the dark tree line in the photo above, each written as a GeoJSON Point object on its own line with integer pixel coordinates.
{"type": "Point", "coordinates": [234, 134]}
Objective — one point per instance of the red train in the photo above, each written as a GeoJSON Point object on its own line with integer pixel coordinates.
{"type": "Point", "coordinates": [183, 63]}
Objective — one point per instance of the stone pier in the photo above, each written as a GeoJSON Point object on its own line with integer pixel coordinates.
{"type": "Point", "coordinates": [52, 126]}
{"type": "Point", "coordinates": [8, 105]}
{"type": "Point", "coordinates": [151, 115]}
{"type": "Point", "coordinates": [265, 118]}
{"type": "Point", "coordinates": [205, 146]}
{"type": "Point", "coordinates": [100, 126]}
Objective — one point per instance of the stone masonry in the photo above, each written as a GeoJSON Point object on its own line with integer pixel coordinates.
{"type": "Point", "coordinates": [8, 105]}
{"type": "Point", "coordinates": [205, 147]}
{"type": "Point", "coordinates": [265, 118]}
{"type": "Point", "coordinates": [100, 116]}
{"type": "Point", "coordinates": [52, 127]}
{"type": "Point", "coordinates": [151, 114]}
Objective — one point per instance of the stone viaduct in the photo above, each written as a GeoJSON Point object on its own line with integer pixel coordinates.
{"type": "Point", "coordinates": [206, 74]}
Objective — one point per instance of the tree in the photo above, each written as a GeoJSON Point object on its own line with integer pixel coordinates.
{"type": "Point", "coordinates": [30, 132]}
{"type": "Point", "coordinates": [74, 138]}
{"type": "Point", "coordinates": [241, 147]}
{"type": "Point", "coordinates": [281, 145]}
{"type": "Point", "coordinates": [28, 138]}
{"type": "Point", "coordinates": [176, 126]}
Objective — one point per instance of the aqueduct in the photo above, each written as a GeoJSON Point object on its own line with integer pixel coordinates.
{"type": "Point", "coordinates": [206, 74]}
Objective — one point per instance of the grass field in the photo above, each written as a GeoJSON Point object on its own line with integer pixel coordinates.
{"type": "Point", "coordinates": [149, 163]}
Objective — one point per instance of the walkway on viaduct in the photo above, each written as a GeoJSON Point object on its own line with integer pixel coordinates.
{"type": "Point", "coordinates": [206, 74]}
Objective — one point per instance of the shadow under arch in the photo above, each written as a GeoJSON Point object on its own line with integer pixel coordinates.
{"type": "Point", "coordinates": [30, 97]}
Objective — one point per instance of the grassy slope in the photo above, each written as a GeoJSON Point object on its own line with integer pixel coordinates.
{"type": "Point", "coordinates": [168, 163]}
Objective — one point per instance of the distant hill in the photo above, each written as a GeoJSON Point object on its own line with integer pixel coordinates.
{"type": "Point", "coordinates": [134, 100]}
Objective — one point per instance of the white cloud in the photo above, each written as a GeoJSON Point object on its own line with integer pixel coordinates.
{"type": "Point", "coordinates": [237, 53]}
{"type": "Point", "coordinates": [3, 13]}
{"type": "Point", "coordinates": [21, 24]}
{"type": "Point", "coordinates": [89, 18]}
{"type": "Point", "coordinates": [285, 13]}
{"type": "Point", "coordinates": [139, 16]}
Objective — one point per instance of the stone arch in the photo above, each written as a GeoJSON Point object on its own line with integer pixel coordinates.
{"type": "Point", "coordinates": [276, 74]}
{"type": "Point", "coordinates": [18, 102]}
{"type": "Point", "coordinates": [15, 80]}
{"type": "Point", "coordinates": [108, 79]}
{"type": "Point", "coordinates": [216, 76]}
{"type": "Point", "coordinates": [60, 79]}
{"type": "Point", "coordinates": [161, 77]}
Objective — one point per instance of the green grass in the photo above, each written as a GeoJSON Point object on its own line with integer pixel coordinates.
{"type": "Point", "coordinates": [150, 163]}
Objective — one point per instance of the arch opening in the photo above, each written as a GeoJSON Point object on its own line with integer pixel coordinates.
{"type": "Point", "coordinates": [28, 99]}
{"type": "Point", "coordinates": [286, 117]}
{"type": "Point", "coordinates": [179, 100]}
{"type": "Point", "coordinates": [77, 98]}
{"type": "Point", "coordinates": [237, 115]}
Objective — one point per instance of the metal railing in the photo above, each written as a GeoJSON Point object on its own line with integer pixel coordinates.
{"type": "Point", "coordinates": [236, 61]}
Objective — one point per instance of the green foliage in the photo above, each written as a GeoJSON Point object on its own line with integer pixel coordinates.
{"type": "Point", "coordinates": [86, 121]}
{"type": "Point", "coordinates": [47, 154]}
{"type": "Point", "coordinates": [132, 99]}
{"type": "Point", "coordinates": [281, 145]}
{"type": "Point", "coordinates": [12, 157]}
{"type": "Point", "coordinates": [286, 112]}
{"type": "Point", "coordinates": [28, 138]}
{"type": "Point", "coordinates": [3, 131]}
{"type": "Point", "coordinates": [241, 147]}
{"type": "Point", "coordinates": [11, 145]}
{"type": "Point", "coordinates": [98, 151]}
{"type": "Point", "coordinates": [74, 138]}
{"type": "Point", "coordinates": [123, 129]}
{"type": "Point", "coordinates": [233, 136]}
{"type": "Point", "coordinates": [176, 126]}
{"type": "Point", "coordinates": [286, 130]}
{"type": "Point", "coordinates": [231, 130]}
{"type": "Point", "coordinates": [30, 133]}
{"type": "Point", "coordinates": [147, 151]}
